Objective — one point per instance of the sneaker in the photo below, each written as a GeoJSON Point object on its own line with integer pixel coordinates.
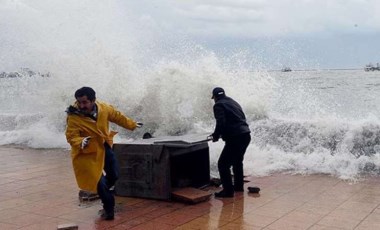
{"type": "Point", "coordinates": [224, 193]}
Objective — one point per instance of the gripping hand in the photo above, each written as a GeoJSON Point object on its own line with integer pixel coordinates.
{"type": "Point", "coordinates": [213, 137]}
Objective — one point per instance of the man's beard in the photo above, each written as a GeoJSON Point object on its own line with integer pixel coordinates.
{"type": "Point", "coordinates": [85, 111]}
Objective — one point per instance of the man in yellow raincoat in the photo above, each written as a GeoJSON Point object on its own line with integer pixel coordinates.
{"type": "Point", "coordinates": [91, 142]}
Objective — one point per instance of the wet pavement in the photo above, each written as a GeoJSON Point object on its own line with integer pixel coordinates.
{"type": "Point", "coordinates": [38, 191]}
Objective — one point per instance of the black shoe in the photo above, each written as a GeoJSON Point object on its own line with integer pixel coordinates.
{"type": "Point", "coordinates": [254, 189]}
{"type": "Point", "coordinates": [224, 193]}
{"type": "Point", "coordinates": [107, 216]}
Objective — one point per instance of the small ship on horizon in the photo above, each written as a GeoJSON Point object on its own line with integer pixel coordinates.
{"type": "Point", "coordinates": [371, 67]}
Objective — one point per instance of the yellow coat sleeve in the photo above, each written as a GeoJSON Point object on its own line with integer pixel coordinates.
{"type": "Point", "coordinates": [73, 136]}
{"type": "Point", "coordinates": [120, 119]}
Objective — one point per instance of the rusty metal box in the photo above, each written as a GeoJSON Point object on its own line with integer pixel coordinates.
{"type": "Point", "coordinates": [152, 168]}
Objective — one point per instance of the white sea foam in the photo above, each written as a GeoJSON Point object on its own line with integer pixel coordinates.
{"type": "Point", "coordinates": [303, 122]}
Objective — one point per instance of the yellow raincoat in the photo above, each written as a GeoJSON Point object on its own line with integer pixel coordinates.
{"type": "Point", "coordinates": [88, 163]}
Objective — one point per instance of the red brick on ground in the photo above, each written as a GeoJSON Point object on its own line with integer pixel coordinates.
{"type": "Point", "coordinates": [38, 191]}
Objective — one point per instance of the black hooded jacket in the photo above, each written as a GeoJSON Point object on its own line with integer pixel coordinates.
{"type": "Point", "coordinates": [230, 119]}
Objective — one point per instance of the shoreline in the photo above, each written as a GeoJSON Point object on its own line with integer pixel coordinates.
{"type": "Point", "coordinates": [362, 177]}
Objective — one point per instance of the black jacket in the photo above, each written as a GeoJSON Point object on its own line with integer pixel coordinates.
{"type": "Point", "coordinates": [230, 119]}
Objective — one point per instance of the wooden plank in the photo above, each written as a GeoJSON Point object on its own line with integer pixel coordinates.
{"type": "Point", "coordinates": [70, 226]}
{"type": "Point", "coordinates": [190, 195]}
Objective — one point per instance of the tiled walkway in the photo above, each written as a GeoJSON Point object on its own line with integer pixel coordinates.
{"type": "Point", "coordinates": [38, 191]}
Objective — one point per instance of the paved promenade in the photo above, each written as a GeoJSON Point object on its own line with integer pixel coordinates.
{"type": "Point", "coordinates": [38, 191]}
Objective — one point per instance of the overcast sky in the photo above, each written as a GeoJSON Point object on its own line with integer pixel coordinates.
{"type": "Point", "coordinates": [325, 33]}
{"type": "Point", "coordinates": [278, 33]}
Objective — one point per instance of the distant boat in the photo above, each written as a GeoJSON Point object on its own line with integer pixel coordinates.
{"type": "Point", "coordinates": [286, 69]}
{"type": "Point", "coordinates": [371, 67]}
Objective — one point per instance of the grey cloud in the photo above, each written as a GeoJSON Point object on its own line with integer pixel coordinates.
{"type": "Point", "coordinates": [222, 14]}
{"type": "Point", "coordinates": [274, 17]}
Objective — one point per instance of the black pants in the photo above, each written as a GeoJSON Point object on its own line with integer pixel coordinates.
{"type": "Point", "coordinates": [112, 173]}
{"type": "Point", "coordinates": [233, 155]}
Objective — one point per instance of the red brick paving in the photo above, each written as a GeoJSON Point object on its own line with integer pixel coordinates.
{"type": "Point", "coordinates": [38, 191]}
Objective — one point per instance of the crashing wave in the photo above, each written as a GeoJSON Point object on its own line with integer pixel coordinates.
{"type": "Point", "coordinates": [308, 137]}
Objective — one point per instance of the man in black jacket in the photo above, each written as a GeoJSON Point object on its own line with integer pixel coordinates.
{"type": "Point", "coordinates": [232, 127]}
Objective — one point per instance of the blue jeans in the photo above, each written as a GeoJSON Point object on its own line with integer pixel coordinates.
{"type": "Point", "coordinates": [111, 168]}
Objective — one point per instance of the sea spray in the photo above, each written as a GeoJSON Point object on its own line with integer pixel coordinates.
{"type": "Point", "coordinates": [301, 121]}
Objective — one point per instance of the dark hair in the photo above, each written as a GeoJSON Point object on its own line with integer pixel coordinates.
{"type": "Point", "coordinates": [86, 91]}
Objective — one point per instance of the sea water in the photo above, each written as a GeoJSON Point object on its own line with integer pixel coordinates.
{"type": "Point", "coordinates": [320, 121]}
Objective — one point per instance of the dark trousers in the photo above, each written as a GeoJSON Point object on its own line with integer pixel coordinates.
{"type": "Point", "coordinates": [111, 169]}
{"type": "Point", "coordinates": [233, 155]}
